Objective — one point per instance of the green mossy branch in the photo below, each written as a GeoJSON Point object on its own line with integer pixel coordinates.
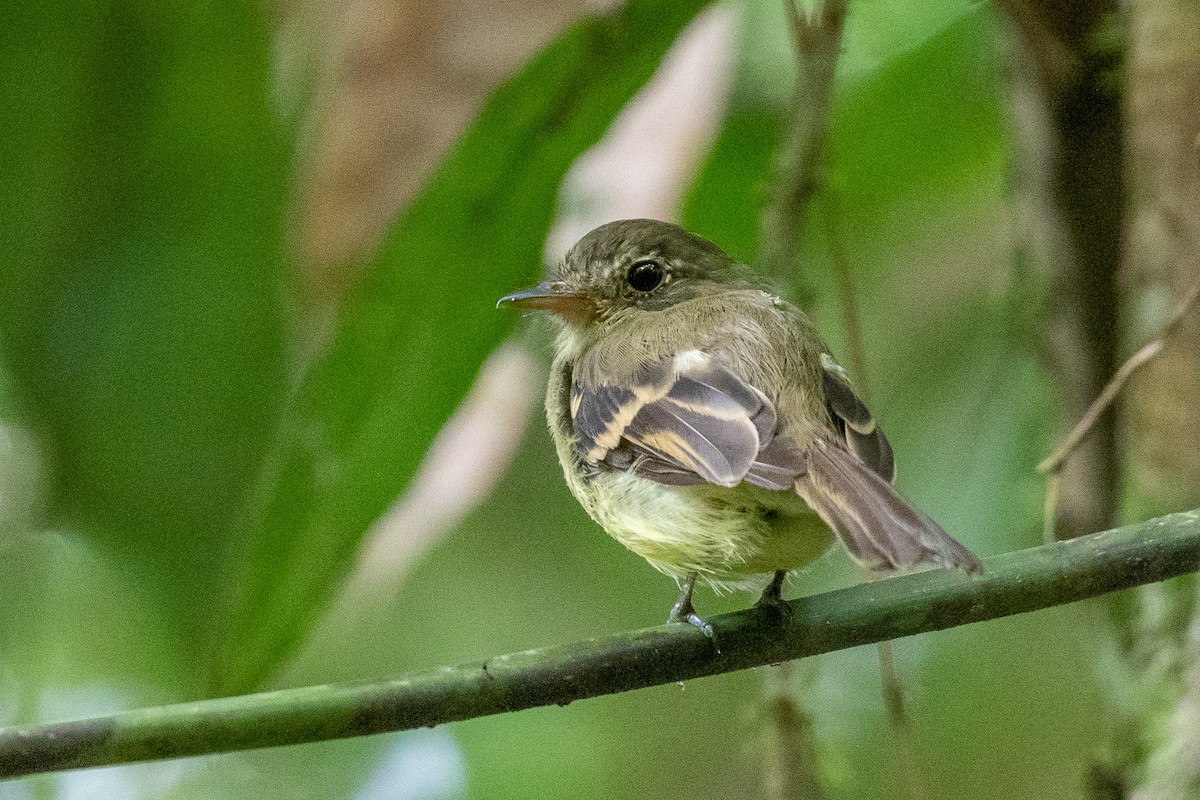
{"type": "Point", "coordinates": [1014, 583]}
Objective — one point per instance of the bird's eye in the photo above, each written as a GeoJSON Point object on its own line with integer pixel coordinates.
{"type": "Point", "coordinates": [646, 276]}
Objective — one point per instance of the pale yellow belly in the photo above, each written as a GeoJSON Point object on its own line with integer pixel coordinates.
{"type": "Point", "coordinates": [727, 536]}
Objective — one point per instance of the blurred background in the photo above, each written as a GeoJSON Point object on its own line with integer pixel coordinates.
{"type": "Point", "coordinates": [260, 425]}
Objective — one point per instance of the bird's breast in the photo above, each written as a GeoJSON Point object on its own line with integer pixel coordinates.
{"type": "Point", "coordinates": [724, 534]}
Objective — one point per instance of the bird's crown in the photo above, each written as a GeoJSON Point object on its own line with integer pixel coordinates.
{"type": "Point", "coordinates": [648, 264]}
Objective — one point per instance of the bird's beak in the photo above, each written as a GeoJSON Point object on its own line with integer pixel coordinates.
{"type": "Point", "coordinates": [554, 296]}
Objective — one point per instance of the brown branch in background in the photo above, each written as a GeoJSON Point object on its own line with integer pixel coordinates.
{"type": "Point", "coordinates": [1069, 172]}
{"type": "Point", "coordinates": [912, 774]}
{"type": "Point", "coordinates": [789, 759]}
{"type": "Point", "coordinates": [1163, 97]}
{"type": "Point", "coordinates": [799, 176]}
{"type": "Point", "coordinates": [1154, 751]}
{"type": "Point", "coordinates": [1059, 64]}
{"type": "Point", "coordinates": [394, 85]}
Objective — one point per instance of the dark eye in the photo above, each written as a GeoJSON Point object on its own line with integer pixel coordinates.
{"type": "Point", "coordinates": [645, 276]}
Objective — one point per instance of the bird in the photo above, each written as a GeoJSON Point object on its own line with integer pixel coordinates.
{"type": "Point", "coordinates": [703, 423]}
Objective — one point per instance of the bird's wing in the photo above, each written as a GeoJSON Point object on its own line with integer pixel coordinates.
{"type": "Point", "coordinates": [689, 420]}
{"type": "Point", "coordinates": [854, 423]}
{"type": "Point", "coordinates": [848, 482]}
{"type": "Point", "coordinates": [686, 420]}
{"type": "Point", "coordinates": [874, 523]}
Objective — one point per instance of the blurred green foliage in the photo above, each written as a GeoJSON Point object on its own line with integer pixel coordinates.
{"type": "Point", "coordinates": [144, 183]}
{"type": "Point", "coordinates": [177, 509]}
{"type": "Point", "coordinates": [405, 352]}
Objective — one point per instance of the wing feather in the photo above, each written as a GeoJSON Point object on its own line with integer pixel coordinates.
{"type": "Point", "coordinates": [689, 418]}
{"type": "Point", "coordinates": [704, 438]}
{"type": "Point", "coordinates": [877, 526]}
{"type": "Point", "coordinates": [855, 424]}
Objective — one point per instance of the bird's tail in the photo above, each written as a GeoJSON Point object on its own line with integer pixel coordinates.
{"type": "Point", "coordinates": [879, 529]}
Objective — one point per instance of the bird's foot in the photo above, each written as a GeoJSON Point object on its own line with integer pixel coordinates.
{"type": "Point", "coordinates": [684, 612]}
{"type": "Point", "coordinates": [772, 596]}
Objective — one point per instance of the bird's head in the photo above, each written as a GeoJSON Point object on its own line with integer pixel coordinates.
{"type": "Point", "coordinates": [634, 263]}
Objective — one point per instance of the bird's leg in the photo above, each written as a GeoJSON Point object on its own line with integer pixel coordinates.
{"type": "Point", "coordinates": [684, 611]}
{"type": "Point", "coordinates": [772, 596]}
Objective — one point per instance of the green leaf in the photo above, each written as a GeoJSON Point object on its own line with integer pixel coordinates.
{"type": "Point", "coordinates": [412, 338]}
{"type": "Point", "coordinates": [930, 122]}
{"type": "Point", "coordinates": [143, 180]}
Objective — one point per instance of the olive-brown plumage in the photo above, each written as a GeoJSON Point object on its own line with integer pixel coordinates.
{"type": "Point", "coordinates": [702, 422]}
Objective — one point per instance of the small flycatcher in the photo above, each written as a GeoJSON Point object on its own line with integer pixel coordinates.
{"type": "Point", "coordinates": [701, 421]}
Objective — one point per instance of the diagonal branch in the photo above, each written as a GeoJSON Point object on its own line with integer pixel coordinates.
{"type": "Point", "coordinates": [1054, 462]}
{"type": "Point", "coordinates": [1027, 580]}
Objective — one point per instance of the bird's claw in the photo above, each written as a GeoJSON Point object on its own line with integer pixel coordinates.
{"type": "Point", "coordinates": [693, 618]}
{"type": "Point", "coordinates": [684, 613]}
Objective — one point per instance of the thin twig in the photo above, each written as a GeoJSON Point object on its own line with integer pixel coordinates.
{"type": "Point", "coordinates": [1014, 583]}
{"type": "Point", "coordinates": [914, 781]}
{"type": "Point", "coordinates": [1050, 507]}
{"type": "Point", "coordinates": [800, 165]}
{"type": "Point", "coordinates": [790, 762]}
{"type": "Point", "coordinates": [913, 778]}
{"type": "Point", "coordinates": [1055, 461]}
{"type": "Point", "coordinates": [788, 738]}
{"type": "Point", "coordinates": [893, 692]}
